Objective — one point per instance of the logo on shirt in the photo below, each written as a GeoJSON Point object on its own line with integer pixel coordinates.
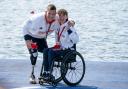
{"type": "Point", "coordinates": [41, 28]}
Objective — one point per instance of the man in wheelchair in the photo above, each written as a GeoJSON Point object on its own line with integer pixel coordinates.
{"type": "Point", "coordinates": [66, 38]}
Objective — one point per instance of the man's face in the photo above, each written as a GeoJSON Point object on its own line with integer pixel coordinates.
{"type": "Point", "coordinates": [62, 17]}
{"type": "Point", "coordinates": [51, 14]}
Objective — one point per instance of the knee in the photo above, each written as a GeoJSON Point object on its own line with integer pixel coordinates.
{"type": "Point", "coordinates": [51, 50]}
{"type": "Point", "coordinates": [51, 53]}
{"type": "Point", "coordinates": [33, 52]}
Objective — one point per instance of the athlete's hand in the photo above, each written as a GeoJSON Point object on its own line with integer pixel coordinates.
{"type": "Point", "coordinates": [57, 46]}
{"type": "Point", "coordinates": [41, 33]}
{"type": "Point", "coordinates": [71, 23]}
{"type": "Point", "coordinates": [28, 43]}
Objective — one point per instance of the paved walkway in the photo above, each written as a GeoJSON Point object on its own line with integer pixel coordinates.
{"type": "Point", "coordinates": [14, 74]}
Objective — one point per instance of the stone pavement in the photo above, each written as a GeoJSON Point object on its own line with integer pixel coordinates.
{"type": "Point", "coordinates": [14, 74]}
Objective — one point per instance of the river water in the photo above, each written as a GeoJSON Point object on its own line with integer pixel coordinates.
{"type": "Point", "coordinates": [101, 24]}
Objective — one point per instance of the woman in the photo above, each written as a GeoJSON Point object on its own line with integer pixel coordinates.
{"type": "Point", "coordinates": [66, 38]}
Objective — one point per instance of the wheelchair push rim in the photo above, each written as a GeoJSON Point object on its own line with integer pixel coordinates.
{"type": "Point", "coordinates": [73, 71]}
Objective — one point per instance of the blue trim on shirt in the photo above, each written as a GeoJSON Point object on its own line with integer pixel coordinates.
{"type": "Point", "coordinates": [69, 31]}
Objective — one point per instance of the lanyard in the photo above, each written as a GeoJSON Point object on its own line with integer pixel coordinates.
{"type": "Point", "coordinates": [60, 33]}
{"type": "Point", "coordinates": [48, 30]}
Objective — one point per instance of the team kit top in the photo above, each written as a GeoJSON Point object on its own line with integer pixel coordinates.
{"type": "Point", "coordinates": [37, 26]}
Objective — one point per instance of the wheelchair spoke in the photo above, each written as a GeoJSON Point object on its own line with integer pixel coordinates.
{"type": "Point", "coordinates": [77, 66]}
{"type": "Point", "coordinates": [56, 72]}
{"type": "Point", "coordinates": [69, 72]}
{"type": "Point", "coordinates": [75, 74]}
{"type": "Point", "coordinates": [72, 75]}
{"type": "Point", "coordinates": [79, 73]}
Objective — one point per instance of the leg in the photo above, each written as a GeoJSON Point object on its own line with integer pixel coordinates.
{"type": "Point", "coordinates": [55, 53]}
{"type": "Point", "coordinates": [45, 59]}
{"type": "Point", "coordinates": [45, 64]}
{"type": "Point", "coordinates": [33, 58]}
{"type": "Point", "coordinates": [33, 55]}
{"type": "Point", "coordinates": [41, 45]}
{"type": "Point", "coordinates": [43, 48]}
{"type": "Point", "coordinates": [51, 55]}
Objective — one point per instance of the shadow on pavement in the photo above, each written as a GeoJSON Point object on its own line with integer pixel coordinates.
{"type": "Point", "coordinates": [77, 87]}
{"type": "Point", "coordinates": [58, 87]}
{"type": "Point", "coordinates": [64, 86]}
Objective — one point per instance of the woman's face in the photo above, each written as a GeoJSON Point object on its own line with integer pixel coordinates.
{"type": "Point", "coordinates": [62, 17]}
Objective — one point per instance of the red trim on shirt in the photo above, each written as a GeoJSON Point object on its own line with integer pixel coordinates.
{"type": "Point", "coordinates": [49, 22]}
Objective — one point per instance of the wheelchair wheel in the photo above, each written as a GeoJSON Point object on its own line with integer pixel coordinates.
{"type": "Point", "coordinates": [55, 70]}
{"type": "Point", "coordinates": [73, 68]}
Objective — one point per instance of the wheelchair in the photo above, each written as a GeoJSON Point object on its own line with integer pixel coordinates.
{"type": "Point", "coordinates": [69, 68]}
